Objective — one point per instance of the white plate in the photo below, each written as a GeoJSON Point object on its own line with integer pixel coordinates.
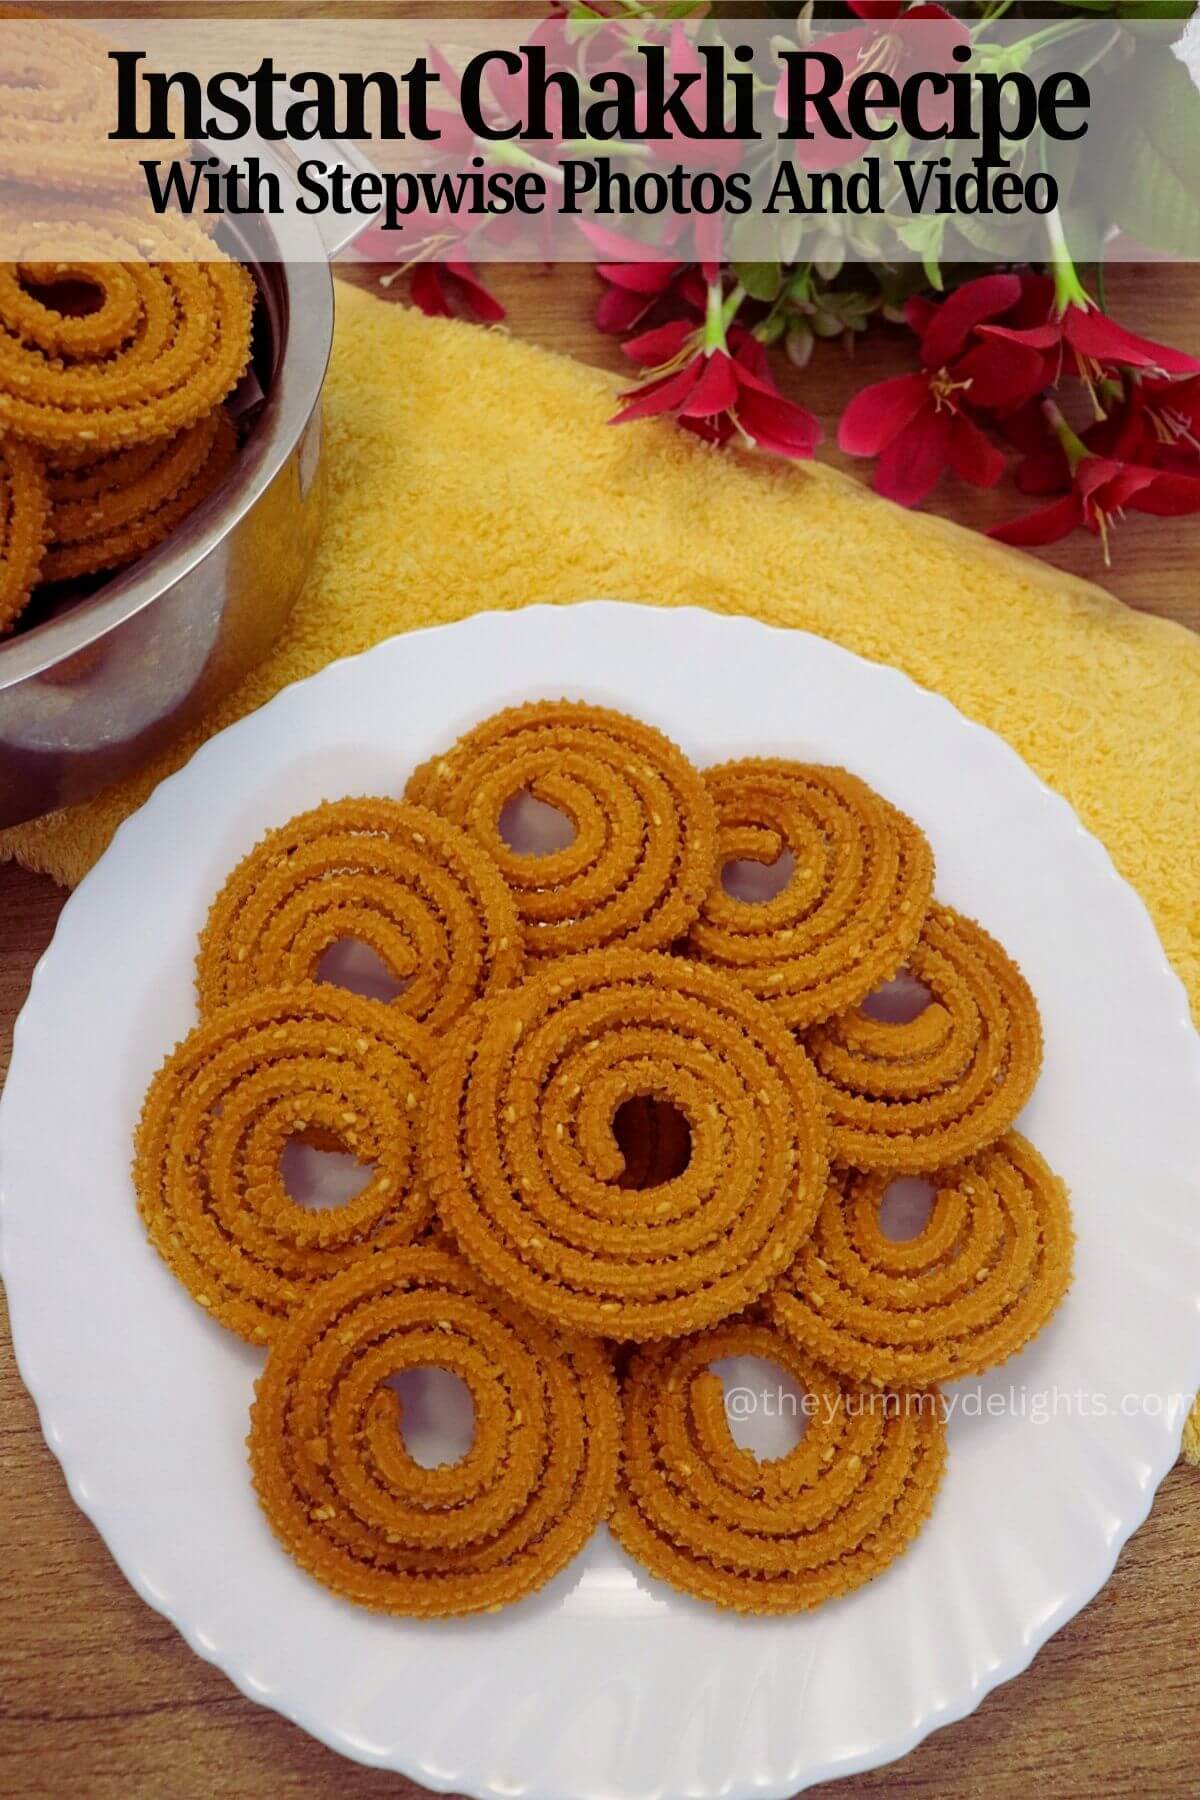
{"type": "Point", "coordinates": [608, 1686]}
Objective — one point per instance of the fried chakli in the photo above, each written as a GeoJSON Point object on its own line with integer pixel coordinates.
{"type": "Point", "coordinates": [23, 511]}
{"type": "Point", "coordinates": [527, 1174]}
{"type": "Point", "coordinates": [337, 1483]}
{"type": "Point", "coordinates": [56, 112]}
{"type": "Point", "coordinates": [774, 1536]}
{"type": "Point", "coordinates": [852, 907]}
{"type": "Point", "coordinates": [913, 1097]}
{"type": "Point", "coordinates": [165, 343]}
{"type": "Point", "coordinates": [418, 891]}
{"type": "Point", "coordinates": [644, 849]}
{"type": "Point", "coordinates": [105, 511]}
{"type": "Point", "coordinates": [312, 1063]}
{"type": "Point", "coordinates": [984, 1275]}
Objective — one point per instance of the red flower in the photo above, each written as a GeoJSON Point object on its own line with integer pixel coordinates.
{"type": "Point", "coordinates": [448, 290]}
{"type": "Point", "coordinates": [872, 46]}
{"type": "Point", "coordinates": [1096, 344]}
{"type": "Point", "coordinates": [918, 425]}
{"type": "Point", "coordinates": [1102, 488]}
{"type": "Point", "coordinates": [715, 393]}
{"type": "Point", "coordinates": [635, 285]}
{"type": "Point", "coordinates": [1169, 414]}
{"type": "Point", "coordinates": [1154, 423]}
{"type": "Point", "coordinates": [443, 288]}
{"type": "Point", "coordinates": [632, 290]}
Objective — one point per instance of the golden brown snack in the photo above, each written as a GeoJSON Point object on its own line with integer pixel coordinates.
{"type": "Point", "coordinates": [310, 1062]}
{"type": "Point", "coordinates": [105, 511]}
{"type": "Point", "coordinates": [644, 849]}
{"type": "Point", "coordinates": [57, 110]}
{"type": "Point", "coordinates": [527, 1174]}
{"type": "Point", "coordinates": [909, 1098]}
{"type": "Point", "coordinates": [984, 1275]}
{"type": "Point", "coordinates": [345, 1498]}
{"type": "Point", "coordinates": [165, 344]}
{"type": "Point", "coordinates": [773, 1536]}
{"type": "Point", "coordinates": [23, 510]}
{"type": "Point", "coordinates": [852, 907]}
{"type": "Point", "coordinates": [418, 891]}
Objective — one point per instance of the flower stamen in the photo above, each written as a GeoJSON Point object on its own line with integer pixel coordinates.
{"type": "Point", "coordinates": [941, 386]}
{"type": "Point", "coordinates": [884, 56]}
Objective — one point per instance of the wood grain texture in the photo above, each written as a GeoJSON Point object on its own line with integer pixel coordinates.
{"type": "Point", "coordinates": [100, 1698]}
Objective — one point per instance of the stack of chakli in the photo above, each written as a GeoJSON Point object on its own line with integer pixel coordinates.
{"type": "Point", "coordinates": [123, 335]}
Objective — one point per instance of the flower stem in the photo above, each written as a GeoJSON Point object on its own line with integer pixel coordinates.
{"type": "Point", "coordinates": [1051, 35]}
{"type": "Point", "coordinates": [714, 319]}
{"type": "Point", "coordinates": [1068, 289]}
{"type": "Point", "coordinates": [1074, 448]}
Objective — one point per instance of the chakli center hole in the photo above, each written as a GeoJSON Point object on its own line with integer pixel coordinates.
{"type": "Point", "coordinates": [437, 1415]}
{"type": "Point", "coordinates": [899, 1001]}
{"type": "Point", "coordinates": [655, 1139]}
{"type": "Point", "coordinates": [354, 965]}
{"type": "Point", "coordinates": [74, 299]}
{"type": "Point", "coordinates": [756, 882]}
{"type": "Point", "coordinates": [530, 827]}
{"type": "Point", "coordinates": [766, 1410]}
{"type": "Point", "coordinates": [318, 1175]}
{"type": "Point", "coordinates": [905, 1208]}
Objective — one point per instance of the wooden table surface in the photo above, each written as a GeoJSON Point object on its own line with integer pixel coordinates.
{"type": "Point", "coordinates": [99, 1697]}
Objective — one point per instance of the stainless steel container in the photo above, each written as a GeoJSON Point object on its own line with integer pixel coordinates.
{"type": "Point", "coordinates": [87, 696]}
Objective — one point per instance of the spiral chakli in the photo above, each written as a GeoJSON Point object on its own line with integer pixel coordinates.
{"type": "Point", "coordinates": [522, 1154]}
{"type": "Point", "coordinates": [107, 510]}
{"type": "Point", "coordinates": [165, 343]}
{"type": "Point", "coordinates": [23, 511]}
{"type": "Point", "coordinates": [852, 906]}
{"type": "Point", "coordinates": [340, 1489]}
{"type": "Point", "coordinates": [912, 1097]}
{"type": "Point", "coordinates": [310, 1063]}
{"type": "Point", "coordinates": [418, 891]}
{"type": "Point", "coordinates": [779, 1535]}
{"type": "Point", "coordinates": [56, 112]}
{"type": "Point", "coordinates": [642, 857]}
{"type": "Point", "coordinates": [984, 1275]}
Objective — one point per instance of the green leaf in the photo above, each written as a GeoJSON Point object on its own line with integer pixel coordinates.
{"type": "Point", "coordinates": [923, 236]}
{"type": "Point", "coordinates": [898, 282]}
{"type": "Point", "coordinates": [761, 280]}
{"type": "Point", "coordinates": [1004, 240]}
{"type": "Point", "coordinates": [1155, 192]}
{"type": "Point", "coordinates": [1138, 10]}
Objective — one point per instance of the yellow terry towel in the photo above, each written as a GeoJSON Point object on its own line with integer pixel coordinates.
{"type": "Point", "coordinates": [468, 471]}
